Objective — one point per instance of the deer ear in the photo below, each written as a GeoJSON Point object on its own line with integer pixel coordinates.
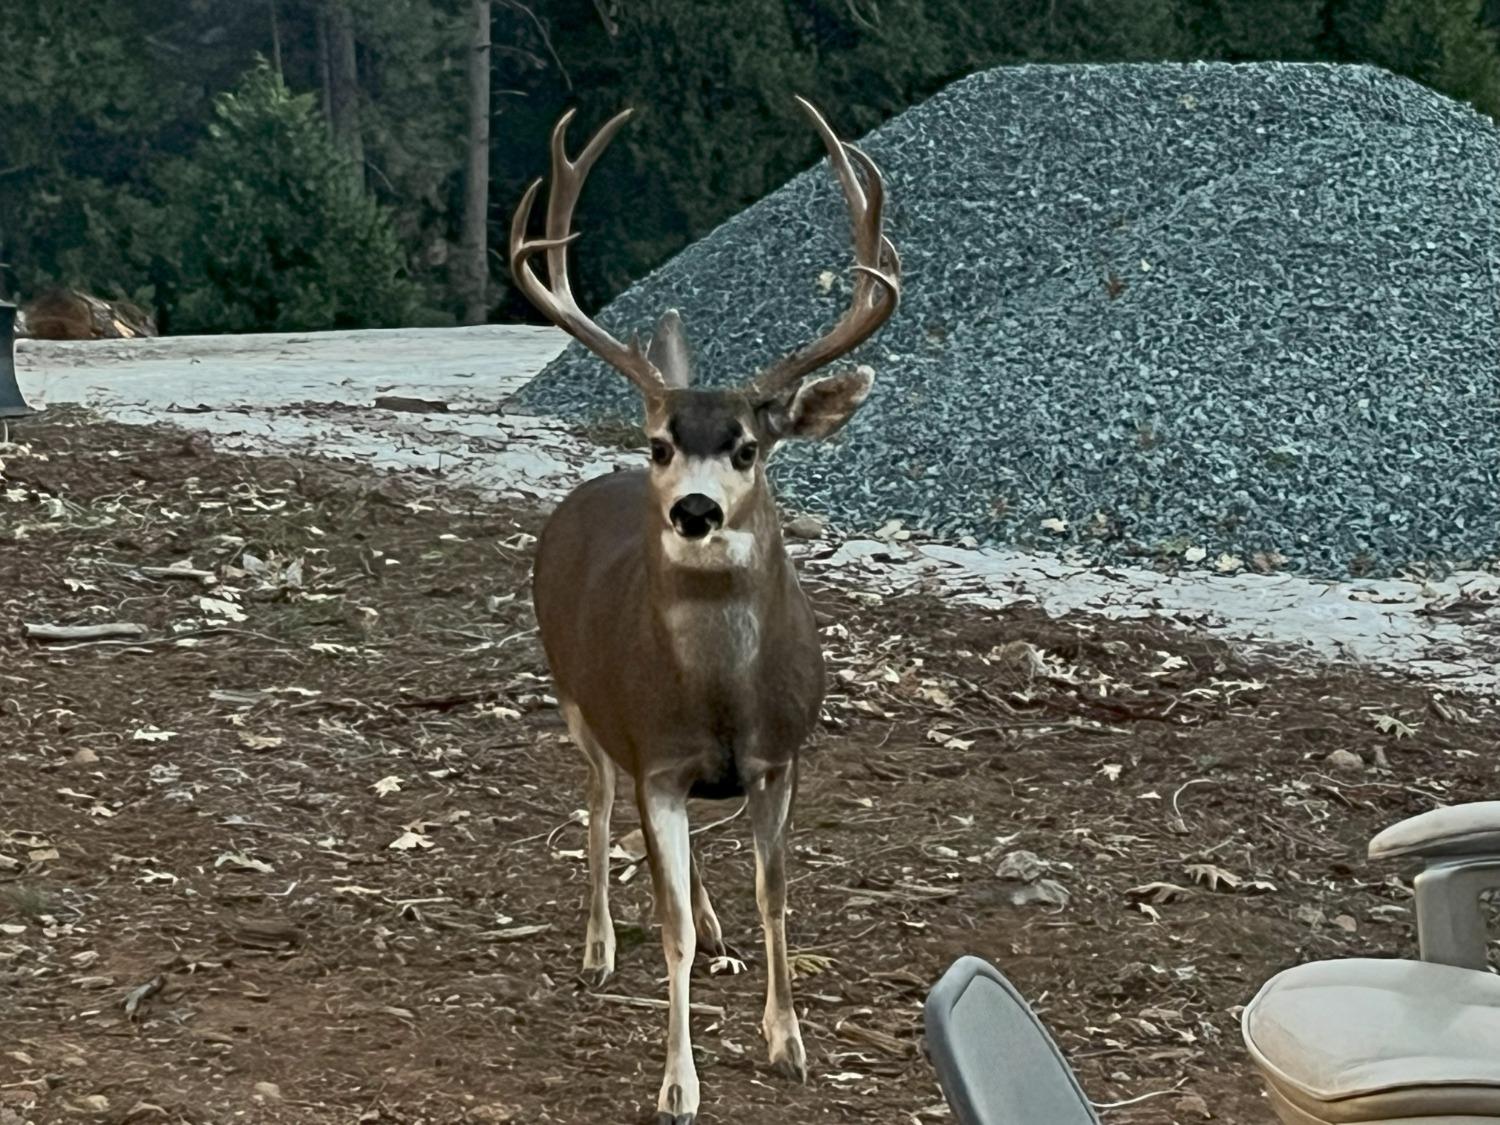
{"type": "Point", "coordinates": [822, 406]}
{"type": "Point", "coordinates": [668, 351]}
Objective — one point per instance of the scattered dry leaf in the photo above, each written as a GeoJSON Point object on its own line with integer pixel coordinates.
{"type": "Point", "coordinates": [408, 841]}
{"type": "Point", "coordinates": [386, 786]}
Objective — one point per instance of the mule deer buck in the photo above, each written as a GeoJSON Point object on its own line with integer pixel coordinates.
{"type": "Point", "coordinates": [683, 649]}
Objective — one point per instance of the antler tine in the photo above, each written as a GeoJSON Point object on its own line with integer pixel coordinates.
{"type": "Point", "coordinates": [556, 301]}
{"type": "Point", "coordinates": [838, 156]}
{"type": "Point", "coordinates": [889, 271]}
{"type": "Point", "coordinates": [877, 268]}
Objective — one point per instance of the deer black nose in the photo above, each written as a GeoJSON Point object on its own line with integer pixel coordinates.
{"type": "Point", "coordinates": [695, 515]}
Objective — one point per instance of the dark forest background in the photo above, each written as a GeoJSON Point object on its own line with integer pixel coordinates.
{"type": "Point", "coordinates": [243, 165]}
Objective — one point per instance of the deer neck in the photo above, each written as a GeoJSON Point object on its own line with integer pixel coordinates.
{"type": "Point", "coordinates": [714, 619]}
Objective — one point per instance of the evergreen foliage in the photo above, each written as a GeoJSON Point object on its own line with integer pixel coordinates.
{"type": "Point", "coordinates": [145, 152]}
{"type": "Point", "coordinates": [268, 229]}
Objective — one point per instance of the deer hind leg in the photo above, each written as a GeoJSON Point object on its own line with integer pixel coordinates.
{"type": "Point", "coordinates": [664, 821]}
{"type": "Point", "coordinates": [705, 921]}
{"type": "Point", "coordinates": [770, 815]}
{"type": "Point", "coordinates": [599, 941]}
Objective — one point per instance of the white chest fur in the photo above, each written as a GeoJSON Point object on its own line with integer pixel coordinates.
{"type": "Point", "coordinates": [714, 638]}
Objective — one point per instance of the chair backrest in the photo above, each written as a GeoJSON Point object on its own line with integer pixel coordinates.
{"type": "Point", "coordinates": [995, 1061]}
{"type": "Point", "coordinates": [12, 404]}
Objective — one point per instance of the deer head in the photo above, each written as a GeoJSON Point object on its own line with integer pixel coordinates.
{"type": "Point", "coordinates": [709, 447]}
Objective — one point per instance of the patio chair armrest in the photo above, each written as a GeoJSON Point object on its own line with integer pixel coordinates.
{"type": "Point", "coordinates": [1448, 833]}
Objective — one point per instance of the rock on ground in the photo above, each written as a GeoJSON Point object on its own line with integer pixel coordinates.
{"type": "Point", "coordinates": [1175, 310]}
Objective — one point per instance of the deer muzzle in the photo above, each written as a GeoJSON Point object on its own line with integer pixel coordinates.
{"type": "Point", "coordinates": [696, 515]}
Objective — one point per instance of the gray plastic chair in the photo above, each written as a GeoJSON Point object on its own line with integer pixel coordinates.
{"type": "Point", "coordinates": [12, 404]}
{"type": "Point", "coordinates": [995, 1061]}
{"type": "Point", "coordinates": [1386, 1040]}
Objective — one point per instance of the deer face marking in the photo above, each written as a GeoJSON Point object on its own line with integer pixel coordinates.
{"type": "Point", "coordinates": [707, 476]}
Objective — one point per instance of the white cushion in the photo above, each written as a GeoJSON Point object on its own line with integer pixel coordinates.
{"type": "Point", "coordinates": [1373, 1040]}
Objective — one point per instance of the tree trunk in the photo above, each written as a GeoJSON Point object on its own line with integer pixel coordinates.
{"type": "Point", "coordinates": [474, 265]}
{"type": "Point", "coordinates": [343, 68]}
{"type": "Point", "coordinates": [275, 40]}
{"type": "Point", "coordinates": [325, 73]}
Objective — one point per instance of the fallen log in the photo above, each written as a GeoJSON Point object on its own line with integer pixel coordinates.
{"type": "Point", "coordinates": [66, 314]}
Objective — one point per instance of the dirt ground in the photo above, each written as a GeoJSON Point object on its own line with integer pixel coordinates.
{"type": "Point", "coordinates": [310, 850]}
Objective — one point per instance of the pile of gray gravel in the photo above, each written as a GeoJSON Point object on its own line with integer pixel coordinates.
{"type": "Point", "coordinates": [1173, 311]}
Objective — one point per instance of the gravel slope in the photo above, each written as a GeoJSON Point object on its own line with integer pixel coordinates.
{"type": "Point", "coordinates": [1239, 309]}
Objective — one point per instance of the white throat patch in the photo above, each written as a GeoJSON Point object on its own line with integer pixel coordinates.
{"type": "Point", "coordinates": [721, 549]}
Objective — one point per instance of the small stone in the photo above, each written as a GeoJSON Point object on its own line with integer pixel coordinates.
{"type": "Point", "coordinates": [1193, 1104]}
{"type": "Point", "coordinates": [1311, 916]}
{"type": "Point", "coordinates": [1021, 867]}
{"type": "Point", "coordinates": [1267, 562]}
{"type": "Point", "coordinates": [1346, 923]}
{"type": "Point", "coordinates": [805, 527]}
{"type": "Point", "coordinates": [268, 1090]}
{"type": "Point", "coordinates": [85, 757]}
{"type": "Point", "coordinates": [1346, 761]}
{"type": "Point", "coordinates": [1044, 892]}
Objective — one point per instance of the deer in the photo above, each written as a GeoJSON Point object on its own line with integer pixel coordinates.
{"type": "Point", "coordinates": [683, 650]}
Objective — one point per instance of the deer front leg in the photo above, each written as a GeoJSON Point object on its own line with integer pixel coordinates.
{"type": "Point", "coordinates": [599, 940]}
{"type": "Point", "coordinates": [664, 822]}
{"type": "Point", "coordinates": [770, 815]}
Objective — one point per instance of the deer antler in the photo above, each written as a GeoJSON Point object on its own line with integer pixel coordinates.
{"type": "Point", "coordinates": [555, 301]}
{"type": "Point", "coordinates": [877, 268]}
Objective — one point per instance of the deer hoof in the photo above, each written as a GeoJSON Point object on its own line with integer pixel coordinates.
{"type": "Point", "coordinates": [721, 950]}
{"type": "Point", "coordinates": [674, 1114]}
{"type": "Point", "coordinates": [792, 1069]}
{"type": "Point", "coordinates": [598, 963]}
{"type": "Point", "coordinates": [789, 1057]}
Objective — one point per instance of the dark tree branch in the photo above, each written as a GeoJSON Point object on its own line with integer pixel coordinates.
{"type": "Point", "coordinates": [541, 30]}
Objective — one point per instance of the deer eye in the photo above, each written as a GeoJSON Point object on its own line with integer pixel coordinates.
{"type": "Point", "coordinates": [661, 452]}
{"type": "Point", "coordinates": [744, 456]}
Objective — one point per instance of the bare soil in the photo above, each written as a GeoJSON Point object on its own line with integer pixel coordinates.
{"type": "Point", "coordinates": [309, 849]}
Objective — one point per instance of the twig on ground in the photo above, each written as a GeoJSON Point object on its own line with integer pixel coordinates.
{"type": "Point", "coordinates": [1177, 812]}
{"type": "Point", "coordinates": [722, 821]}
{"type": "Point", "coordinates": [206, 577]}
{"type": "Point", "coordinates": [657, 1005]}
{"type": "Point", "coordinates": [84, 632]}
{"type": "Point", "coordinates": [1141, 1098]}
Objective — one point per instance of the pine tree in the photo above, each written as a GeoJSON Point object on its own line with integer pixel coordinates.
{"type": "Point", "coordinates": [1442, 43]}
{"type": "Point", "coordinates": [1281, 30]}
{"type": "Point", "coordinates": [77, 107]}
{"type": "Point", "coordinates": [271, 229]}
